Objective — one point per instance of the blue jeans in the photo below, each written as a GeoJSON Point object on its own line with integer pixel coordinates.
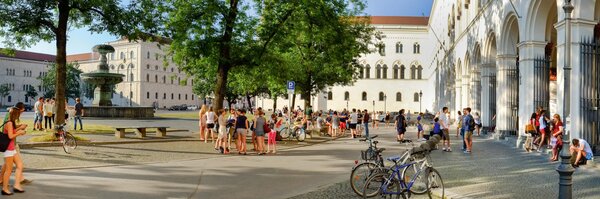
{"type": "Point", "coordinates": [75, 118]}
{"type": "Point", "coordinates": [367, 129]}
{"type": "Point", "coordinates": [462, 135]}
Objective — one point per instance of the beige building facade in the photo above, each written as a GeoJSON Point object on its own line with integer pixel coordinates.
{"type": "Point", "coordinates": [21, 72]}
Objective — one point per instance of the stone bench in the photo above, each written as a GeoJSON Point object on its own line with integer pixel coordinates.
{"type": "Point", "coordinates": [161, 131]}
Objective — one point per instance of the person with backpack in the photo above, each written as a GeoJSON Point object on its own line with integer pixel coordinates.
{"type": "Point", "coordinates": [469, 127]}
{"type": "Point", "coordinates": [544, 130]}
{"type": "Point", "coordinates": [11, 131]}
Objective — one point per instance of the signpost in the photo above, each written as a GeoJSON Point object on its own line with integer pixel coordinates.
{"type": "Point", "coordinates": [291, 86]}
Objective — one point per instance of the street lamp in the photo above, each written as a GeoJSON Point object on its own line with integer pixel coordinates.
{"type": "Point", "coordinates": [384, 103]}
{"type": "Point", "coordinates": [420, 100]}
{"type": "Point", "coordinates": [373, 106]}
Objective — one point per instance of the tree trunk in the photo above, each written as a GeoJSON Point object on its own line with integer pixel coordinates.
{"type": "Point", "coordinates": [293, 102]}
{"type": "Point", "coordinates": [307, 100]}
{"type": "Point", "coordinates": [61, 61]}
{"type": "Point", "coordinates": [248, 99]}
{"type": "Point", "coordinates": [220, 87]}
{"type": "Point", "coordinates": [274, 103]}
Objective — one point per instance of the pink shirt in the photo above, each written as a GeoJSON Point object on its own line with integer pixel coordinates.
{"type": "Point", "coordinates": [11, 145]}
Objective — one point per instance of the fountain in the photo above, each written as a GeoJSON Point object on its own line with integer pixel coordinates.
{"type": "Point", "coordinates": [104, 81]}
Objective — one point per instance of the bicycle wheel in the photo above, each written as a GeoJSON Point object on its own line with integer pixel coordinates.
{"type": "Point", "coordinates": [285, 134]}
{"type": "Point", "coordinates": [359, 176]}
{"type": "Point", "coordinates": [419, 185]}
{"type": "Point", "coordinates": [300, 135]}
{"type": "Point", "coordinates": [376, 182]}
{"type": "Point", "coordinates": [435, 184]}
{"type": "Point", "coordinates": [69, 143]}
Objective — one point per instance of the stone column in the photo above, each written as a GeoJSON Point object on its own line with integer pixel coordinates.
{"type": "Point", "coordinates": [529, 51]}
{"type": "Point", "coordinates": [475, 92]}
{"type": "Point", "coordinates": [466, 92]}
{"type": "Point", "coordinates": [458, 96]}
{"type": "Point", "coordinates": [505, 64]}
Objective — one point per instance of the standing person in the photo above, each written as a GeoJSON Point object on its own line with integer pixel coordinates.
{"type": "Point", "coordinates": [10, 155]}
{"type": "Point", "coordinates": [543, 129]}
{"type": "Point", "coordinates": [420, 130]}
{"type": "Point", "coordinates": [54, 109]}
{"type": "Point", "coordinates": [353, 122]}
{"type": "Point", "coordinates": [78, 114]}
{"type": "Point", "coordinates": [445, 124]}
{"type": "Point", "coordinates": [271, 140]}
{"type": "Point", "coordinates": [375, 119]}
{"type": "Point", "coordinates": [47, 111]}
{"type": "Point", "coordinates": [39, 110]}
{"type": "Point", "coordinates": [231, 130]}
{"type": "Point", "coordinates": [387, 119]}
{"type": "Point", "coordinates": [468, 127]}
{"type": "Point", "coordinates": [210, 124]}
{"type": "Point", "coordinates": [408, 117]}
{"type": "Point", "coordinates": [343, 120]}
{"type": "Point", "coordinates": [478, 125]}
{"type": "Point", "coordinates": [365, 121]}
{"type": "Point", "coordinates": [531, 132]}
{"type": "Point", "coordinates": [202, 122]}
{"type": "Point", "coordinates": [400, 126]}
{"type": "Point", "coordinates": [581, 152]}
{"type": "Point", "coordinates": [335, 124]}
{"type": "Point", "coordinates": [459, 121]}
{"type": "Point", "coordinates": [241, 128]}
{"type": "Point", "coordinates": [222, 131]}
{"type": "Point", "coordinates": [557, 133]}
{"type": "Point", "coordinates": [259, 123]}
{"type": "Point", "coordinates": [20, 106]}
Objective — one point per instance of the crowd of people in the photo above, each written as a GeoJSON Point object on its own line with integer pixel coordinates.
{"type": "Point", "coordinates": [45, 113]}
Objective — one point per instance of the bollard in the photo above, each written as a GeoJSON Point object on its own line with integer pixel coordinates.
{"type": "Point", "coordinates": [565, 171]}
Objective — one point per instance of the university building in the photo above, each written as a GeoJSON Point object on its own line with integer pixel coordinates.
{"type": "Point", "coordinates": [391, 77]}
{"type": "Point", "coordinates": [21, 72]}
{"type": "Point", "coordinates": [148, 80]}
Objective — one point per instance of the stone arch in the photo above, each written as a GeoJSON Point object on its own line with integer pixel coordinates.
{"type": "Point", "coordinates": [509, 37]}
{"type": "Point", "coordinates": [538, 12]}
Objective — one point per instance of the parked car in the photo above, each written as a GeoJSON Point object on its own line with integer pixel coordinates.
{"type": "Point", "coordinates": [28, 107]}
{"type": "Point", "coordinates": [178, 108]}
{"type": "Point", "coordinates": [192, 107]}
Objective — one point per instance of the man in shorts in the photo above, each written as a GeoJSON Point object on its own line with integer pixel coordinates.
{"type": "Point", "coordinates": [468, 127]}
{"type": "Point", "coordinates": [38, 117]}
{"type": "Point", "coordinates": [445, 124]}
{"type": "Point", "coordinates": [581, 152]}
{"type": "Point", "coordinates": [400, 126]}
{"type": "Point", "coordinates": [353, 121]}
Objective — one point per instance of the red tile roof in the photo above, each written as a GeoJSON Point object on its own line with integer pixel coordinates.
{"type": "Point", "coordinates": [31, 56]}
{"type": "Point", "coordinates": [399, 20]}
{"type": "Point", "coordinates": [82, 57]}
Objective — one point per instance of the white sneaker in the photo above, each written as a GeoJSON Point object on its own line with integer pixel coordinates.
{"type": "Point", "coordinates": [444, 149]}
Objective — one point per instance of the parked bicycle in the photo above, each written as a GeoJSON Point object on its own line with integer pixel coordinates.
{"type": "Point", "coordinates": [296, 131]}
{"type": "Point", "coordinates": [67, 139]}
{"type": "Point", "coordinates": [411, 173]}
{"type": "Point", "coordinates": [373, 162]}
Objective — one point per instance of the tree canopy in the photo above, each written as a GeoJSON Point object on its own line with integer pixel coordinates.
{"type": "Point", "coordinates": [73, 82]}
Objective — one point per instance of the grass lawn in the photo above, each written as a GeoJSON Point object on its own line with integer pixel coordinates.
{"type": "Point", "coordinates": [191, 115]}
{"type": "Point", "coordinates": [48, 137]}
{"type": "Point", "coordinates": [89, 128]}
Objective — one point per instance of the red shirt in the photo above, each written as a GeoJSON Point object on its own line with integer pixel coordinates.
{"type": "Point", "coordinates": [557, 128]}
{"type": "Point", "coordinates": [537, 120]}
{"type": "Point", "coordinates": [11, 145]}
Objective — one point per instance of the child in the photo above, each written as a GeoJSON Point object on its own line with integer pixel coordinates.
{"type": "Point", "coordinates": [335, 124]}
{"type": "Point", "coordinates": [437, 129]}
{"type": "Point", "coordinates": [273, 134]}
{"type": "Point", "coordinates": [420, 127]}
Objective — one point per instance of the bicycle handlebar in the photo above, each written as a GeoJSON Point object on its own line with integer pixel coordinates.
{"type": "Point", "coordinates": [369, 138]}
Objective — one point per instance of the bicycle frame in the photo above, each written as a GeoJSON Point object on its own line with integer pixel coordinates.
{"type": "Point", "coordinates": [397, 173]}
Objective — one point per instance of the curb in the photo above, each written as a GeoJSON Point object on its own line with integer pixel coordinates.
{"type": "Point", "coordinates": [91, 143]}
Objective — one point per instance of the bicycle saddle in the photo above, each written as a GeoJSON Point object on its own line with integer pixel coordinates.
{"type": "Point", "coordinates": [394, 158]}
{"type": "Point", "coordinates": [375, 142]}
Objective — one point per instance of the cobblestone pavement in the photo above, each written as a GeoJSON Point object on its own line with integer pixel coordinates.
{"type": "Point", "coordinates": [493, 170]}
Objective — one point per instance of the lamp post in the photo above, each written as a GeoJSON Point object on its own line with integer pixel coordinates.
{"type": "Point", "coordinates": [420, 99]}
{"type": "Point", "coordinates": [565, 170]}
{"type": "Point", "coordinates": [384, 103]}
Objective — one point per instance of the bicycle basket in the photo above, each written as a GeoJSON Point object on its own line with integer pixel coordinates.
{"type": "Point", "coordinates": [368, 155]}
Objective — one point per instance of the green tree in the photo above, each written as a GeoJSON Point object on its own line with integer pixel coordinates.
{"type": "Point", "coordinates": [73, 82]}
{"type": "Point", "coordinates": [31, 93]}
{"type": "Point", "coordinates": [26, 22]}
{"type": "Point", "coordinates": [4, 92]}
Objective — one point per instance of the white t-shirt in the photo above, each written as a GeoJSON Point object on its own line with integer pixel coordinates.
{"type": "Point", "coordinates": [353, 118]}
{"type": "Point", "coordinates": [210, 117]}
{"type": "Point", "coordinates": [444, 120]}
{"type": "Point", "coordinates": [37, 106]}
{"type": "Point", "coordinates": [586, 146]}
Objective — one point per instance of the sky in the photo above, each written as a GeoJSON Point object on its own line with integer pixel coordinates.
{"type": "Point", "coordinates": [82, 41]}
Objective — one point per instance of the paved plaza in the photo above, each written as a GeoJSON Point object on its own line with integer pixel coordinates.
{"type": "Point", "coordinates": [317, 169]}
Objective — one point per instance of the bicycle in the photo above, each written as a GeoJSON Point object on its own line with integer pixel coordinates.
{"type": "Point", "coordinates": [399, 181]}
{"type": "Point", "coordinates": [373, 163]}
{"type": "Point", "coordinates": [296, 132]}
{"type": "Point", "coordinates": [67, 139]}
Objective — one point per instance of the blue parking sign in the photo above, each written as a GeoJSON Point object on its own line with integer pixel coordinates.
{"type": "Point", "coordinates": [291, 85]}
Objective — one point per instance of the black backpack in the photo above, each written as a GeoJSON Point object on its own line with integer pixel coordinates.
{"type": "Point", "coordinates": [471, 123]}
{"type": "Point", "coordinates": [4, 139]}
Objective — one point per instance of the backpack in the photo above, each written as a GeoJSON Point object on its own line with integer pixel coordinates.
{"type": "Point", "coordinates": [471, 123]}
{"type": "Point", "coordinates": [4, 139]}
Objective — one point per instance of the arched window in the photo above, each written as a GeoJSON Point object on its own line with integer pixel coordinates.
{"type": "Point", "coordinates": [131, 77]}
{"type": "Point", "coordinates": [164, 79]}
{"type": "Point", "coordinates": [416, 48]}
{"type": "Point", "coordinates": [368, 72]}
{"type": "Point", "coordinates": [131, 66]}
{"type": "Point", "coordinates": [362, 72]}
{"type": "Point", "coordinates": [112, 56]}
{"type": "Point", "coordinates": [329, 95]}
{"type": "Point", "coordinates": [398, 97]}
{"type": "Point", "coordinates": [147, 95]}
{"type": "Point", "coordinates": [164, 95]}
{"type": "Point", "coordinates": [402, 73]}
{"type": "Point", "coordinates": [396, 71]}
{"type": "Point", "coordinates": [172, 96]}
{"type": "Point", "coordinates": [148, 77]}
{"type": "Point", "coordinates": [385, 69]}
{"type": "Point", "coordinates": [382, 49]}
{"type": "Point", "coordinates": [148, 66]}
{"type": "Point", "coordinates": [381, 96]}
{"type": "Point", "coordinates": [122, 66]}
{"type": "Point", "coordinates": [347, 96]}
{"type": "Point", "coordinates": [419, 72]}
{"type": "Point", "coordinates": [131, 55]}
{"type": "Point", "coordinates": [112, 67]}
{"type": "Point", "coordinates": [192, 97]}
{"type": "Point", "coordinates": [156, 67]}
{"type": "Point", "coordinates": [122, 55]}
{"type": "Point", "coordinates": [413, 68]}
{"type": "Point", "coordinates": [416, 96]}
{"type": "Point", "coordinates": [364, 96]}
{"type": "Point", "coordinates": [148, 55]}
{"type": "Point", "coordinates": [179, 96]}
{"type": "Point", "coordinates": [399, 47]}
{"type": "Point", "coordinates": [121, 94]}
{"type": "Point", "coordinates": [156, 78]}
{"type": "Point", "coordinates": [185, 96]}
{"type": "Point", "coordinates": [156, 95]}
{"type": "Point", "coordinates": [378, 71]}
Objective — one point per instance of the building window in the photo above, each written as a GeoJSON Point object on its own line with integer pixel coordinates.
{"type": "Point", "coordinates": [131, 55]}
{"type": "Point", "coordinates": [156, 95]}
{"type": "Point", "coordinates": [180, 96]}
{"type": "Point", "coordinates": [172, 81]}
{"type": "Point", "coordinates": [347, 96]}
{"type": "Point", "coordinates": [148, 66]}
{"type": "Point", "coordinates": [329, 95]}
{"type": "Point", "coordinates": [164, 79]}
{"type": "Point", "coordinates": [172, 70]}
{"type": "Point", "coordinates": [395, 73]}
{"type": "Point", "coordinates": [122, 55]}
{"type": "Point", "coordinates": [112, 67]}
{"type": "Point", "coordinates": [164, 68]}
{"type": "Point", "coordinates": [185, 96]}
{"type": "Point", "coordinates": [382, 49]}
{"type": "Point", "coordinates": [131, 77]}
{"type": "Point", "coordinates": [164, 96]}
{"type": "Point", "coordinates": [172, 96]}
{"type": "Point", "coordinates": [147, 95]}
{"type": "Point", "coordinates": [398, 97]}
{"type": "Point", "coordinates": [148, 55]}
{"type": "Point", "coordinates": [419, 72]}
{"type": "Point", "coordinates": [156, 67]}
{"type": "Point", "coordinates": [416, 48]}
{"type": "Point", "coordinates": [148, 77]}
{"type": "Point", "coordinates": [361, 72]}
{"type": "Point", "coordinates": [399, 47]}
{"type": "Point", "coordinates": [381, 96]}
{"type": "Point", "coordinates": [131, 66]}
{"type": "Point", "coordinates": [416, 96]}
{"type": "Point", "coordinates": [122, 66]}
{"type": "Point", "coordinates": [402, 69]}
{"type": "Point", "coordinates": [121, 94]}
{"type": "Point", "coordinates": [368, 72]}
{"type": "Point", "coordinates": [156, 78]}
{"type": "Point", "coordinates": [112, 56]}
{"type": "Point", "coordinates": [364, 96]}
{"type": "Point", "coordinates": [9, 98]}
{"type": "Point", "coordinates": [192, 97]}
{"type": "Point", "coordinates": [385, 69]}
{"type": "Point", "coordinates": [413, 69]}
{"type": "Point", "coordinates": [378, 71]}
